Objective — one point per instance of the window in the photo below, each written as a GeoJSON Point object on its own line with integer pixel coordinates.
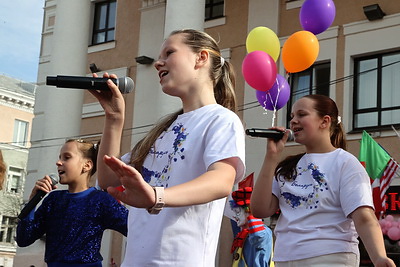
{"type": "Point", "coordinates": [15, 176]}
{"type": "Point", "coordinates": [376, 101]}
{"type": "Point", "coordinates": [214, 9]}
{"type": "Point", "coordinates": [20, 133]}
{"type": "Point", "coordinates": [8, 229]}
{"type": "Point", "coordinates": [104, 22]}
{"type": "Point", "coordinates": [314, 80]}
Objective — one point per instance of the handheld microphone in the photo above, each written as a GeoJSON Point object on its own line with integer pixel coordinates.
{"type": "Point", "coordinates": [125, 84]}
{"type": "Point", "coordinates": [36, 198]}
{"type": "Point", "coordinates": [269, 133]}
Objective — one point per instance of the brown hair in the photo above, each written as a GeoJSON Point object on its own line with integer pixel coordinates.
{"type": "Point", "coordinates": [323, 105]}
{"type": "Point", "coordinates": [89, 151]}
{"type": "Point", "coordinates": [221, 72]}
{"type": "Point", "coordinates": [3, 169]}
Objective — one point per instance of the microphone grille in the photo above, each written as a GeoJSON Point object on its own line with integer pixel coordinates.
{"type": "Point", "coordinates": [125, 85]}
{"type": "Point", "coordinates": [291, 135]}
{"type": "Point", "coordinates": [54, 178]}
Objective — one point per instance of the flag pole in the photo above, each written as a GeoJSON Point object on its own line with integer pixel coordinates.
{"type": "Point", "coordinates": [397, 133]}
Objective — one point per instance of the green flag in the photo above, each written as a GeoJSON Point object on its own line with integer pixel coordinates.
{"type": "Point", "coordinates": [372, 156]}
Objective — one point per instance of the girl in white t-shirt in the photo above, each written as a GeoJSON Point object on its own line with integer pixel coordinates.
{"type": "Point", "coordinates": [177, 178]}
{"type": "Point", "coordinates": [324, 194]}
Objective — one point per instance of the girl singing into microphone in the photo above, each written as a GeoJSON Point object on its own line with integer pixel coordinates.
{"type": "Point", "coordinates": [73, 220]}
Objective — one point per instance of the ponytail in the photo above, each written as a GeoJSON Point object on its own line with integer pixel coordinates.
{"type": "Point", "coordinates": [142, 148]}
{"type": "Point", "coordinates": [89, 151]}
{"type": "Point", "coordinates": [224, 88]}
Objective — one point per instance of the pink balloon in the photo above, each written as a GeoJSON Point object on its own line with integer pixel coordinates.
{"type": "Point", "coordinates": [384, 231]}
{"type": "Point", "coordinates": [259, 70]}
{"type": "Point", "coordinates": [389, 218]}
{"type": "Point", "coordinates": [394, 233]}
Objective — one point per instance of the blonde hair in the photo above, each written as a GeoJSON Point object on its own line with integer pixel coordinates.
{"type": "Point", "coordinates": [222, 75]}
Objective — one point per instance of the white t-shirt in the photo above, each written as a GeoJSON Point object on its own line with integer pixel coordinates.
{"type": "Point", "coordinates": [315, 206]}
{"type": "Point", "coordinates": [185, 236]}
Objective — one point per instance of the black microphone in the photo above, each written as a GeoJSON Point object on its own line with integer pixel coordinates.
{"type": "Point", "coordinates": [269, 133]}
{"type": "Point", "coordinates": [125, 84]}
{"type": "Point", "coordinates": [36, 198]}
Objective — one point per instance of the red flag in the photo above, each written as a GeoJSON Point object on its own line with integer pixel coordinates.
{"type": "Point", "coordinates": [386, 179]}
{"type": "Point", "coordinates": [248, 181]}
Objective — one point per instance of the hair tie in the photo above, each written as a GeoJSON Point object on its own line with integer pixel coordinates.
{"type": "Point", "coordinates": [95, 146]}
{"type": "Point", "coordinates": [222, 61]}
{"type": "Point", "coordinates": [339, 119]}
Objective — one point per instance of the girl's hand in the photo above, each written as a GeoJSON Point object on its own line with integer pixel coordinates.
{"type": "Point", "coordinates": [45, 184]}
{"type": "Point", "coordinates": [275, 147]}
{"type": "Point", "coordinates": [137, 192]}
{"type": "Point", "coordinates": [112, 101]}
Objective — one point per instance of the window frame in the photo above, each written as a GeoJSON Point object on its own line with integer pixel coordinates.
{"type": "Point", "coordinates": [17, 133]}
{"type": "Point", "coordinates": [212, 5]}
{"type": "Point", "coordinates": [311, 87]}
{"type": "Point", "coordinates": [8, 229]}
{"type": "Point", "coordinates": [107, 29]}
{"type": "Point", "coordinates": [11, 173]}
{"type": "Point", "coordinates": [378, 109]}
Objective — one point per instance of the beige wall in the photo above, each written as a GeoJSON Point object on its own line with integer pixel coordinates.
{"type": "Point", "coordinates": [7, 117]}
{"type": "Point", "coordinates": [124, 53]}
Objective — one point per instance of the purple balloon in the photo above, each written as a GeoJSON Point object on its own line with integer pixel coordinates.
{"type": "Point", "coordinates": [276, 97]}
{"type": "Point", "coordinates": [317, 15]}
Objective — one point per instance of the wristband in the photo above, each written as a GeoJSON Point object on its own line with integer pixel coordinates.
{"type": "Point", "coordinates": [158, 206]}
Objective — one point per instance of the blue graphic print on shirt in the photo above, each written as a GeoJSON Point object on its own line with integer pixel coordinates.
{"type": "Point", "coordinates": [161, 178]}
{"type": "Point", "coordinates": [310, 201]}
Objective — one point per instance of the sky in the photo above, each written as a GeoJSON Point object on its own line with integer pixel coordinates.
{"type": "Point", "coordinates": [20, 34]}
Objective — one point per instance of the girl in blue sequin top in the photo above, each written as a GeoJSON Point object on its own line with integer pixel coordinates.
{"type": "Point", "coordinates": [73, 220]}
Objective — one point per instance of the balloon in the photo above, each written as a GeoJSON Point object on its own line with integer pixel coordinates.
{"type": "Point", "coordinates": [317, 15]}
{"type": "Point", "coordinates": [394, 233]}
{"type": "Point", "coordinates": [263, 39]}
{"type": "Point", "coordinates": [300, 51]}
{"type": "Point", "coordinates": [389, 218]}
{"type": "Point", "coordinates": [276, 97]}
{"type": "Point", "coordinates": [259, 70]}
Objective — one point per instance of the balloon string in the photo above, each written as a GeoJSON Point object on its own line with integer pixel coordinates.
{"type": "Point", "coordinates": [274, 103]}
{"type": "Point", "coordinates": [273, 117]}
{"type": "Point", "coordinates": [266, 111]}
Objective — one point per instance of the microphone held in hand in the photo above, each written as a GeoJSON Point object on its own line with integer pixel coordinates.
{"type": "Point", "coordinates": [269, 133]}
{"type": "Point", "coordinates": [125, 84]}
{"type": "Point", "coordinates": [36, 198]}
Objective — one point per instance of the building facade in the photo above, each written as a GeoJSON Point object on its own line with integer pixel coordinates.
{"type": "Point", "coordinates": [357, 64]}
{"type": "Point", "coordinates": [16, 113]}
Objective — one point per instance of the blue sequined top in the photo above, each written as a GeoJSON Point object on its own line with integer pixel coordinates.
{"type": "Point", "coordinates": [74, 224]}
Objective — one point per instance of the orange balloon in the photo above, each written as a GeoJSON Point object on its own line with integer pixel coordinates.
{"type": "Point", "coordinates": [300, 51]}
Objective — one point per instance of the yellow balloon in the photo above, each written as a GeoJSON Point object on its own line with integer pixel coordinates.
{"type": "Point", "coordinates": [263, 39]}
{"type": "Point", "coordinates": [300, 51]}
